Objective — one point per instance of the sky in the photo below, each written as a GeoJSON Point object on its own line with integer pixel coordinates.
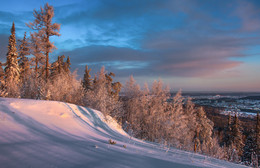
{"type": "Point", "coordinates": [193, 45]}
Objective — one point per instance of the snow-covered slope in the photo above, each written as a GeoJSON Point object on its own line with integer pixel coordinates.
{"type": "Point", "coordinates": [36, 134]}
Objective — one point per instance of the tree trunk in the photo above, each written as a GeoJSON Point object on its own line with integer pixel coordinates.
{"type": "Point", "coordinates": [47, 66]}
{"type": "Point", "coordinates": [36, 68]}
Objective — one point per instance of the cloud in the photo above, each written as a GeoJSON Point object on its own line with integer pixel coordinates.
{"type": "Point", "coordinates": [249, 14]}
{"type": "Point", "coordinates": [160, 63]}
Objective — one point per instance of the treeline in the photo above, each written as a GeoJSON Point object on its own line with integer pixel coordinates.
{"type": "Point", "coordinates": [147, 113]}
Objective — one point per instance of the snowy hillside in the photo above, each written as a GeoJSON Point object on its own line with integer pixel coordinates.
{"type": "Point", "coordinates": [52, 134]}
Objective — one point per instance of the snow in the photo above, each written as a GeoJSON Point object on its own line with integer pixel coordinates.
{"type": "Point", "coordinates": [49, 134]}
{"type": "Point", "coordinates": [239, 114]}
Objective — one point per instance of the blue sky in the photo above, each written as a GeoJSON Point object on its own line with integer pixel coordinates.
{"type": "Point", "coordinates": [195, 45]}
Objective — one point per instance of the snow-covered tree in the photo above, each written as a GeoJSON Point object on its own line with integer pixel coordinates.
{"type": "Point", "coordinates": [12, 71]}
{"type": "Point", "coordinates": [87, 81]}
{"type": "Point", "coordinates": [99, 98]}
{"type": "Point", "coordinates": [64, 88]}
{"type": "Point", "coordinates": [132, 94]}
{"type": "Point", "coordinates": [45, 29]}
{"type": "Point", "coordinates": [177, 131]}
{"type": "Point", "coordinates": [23, 61]}
{"type": "Point", "coordinates": [205, 127]}
{"type": "Point", "coordinates": [192, 124]}
{"type": "Point", "coordinates": [113, 88]}
{"type": "Point", "coordinates": [58, 67]}
{"type": "Point", "coordinates": [249, 150]}
{"type": "Point", "coordinates": [257, 137]}
{"type": "Point", "coordinates": [237, 140]}
{"type": "Point", "coordinates": [227, 139]}
{"type": "Point", "coordinates": [66, 65]}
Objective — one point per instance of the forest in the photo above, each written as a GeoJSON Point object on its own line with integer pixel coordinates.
{"type": "Point", "coordinates": [148, 113]}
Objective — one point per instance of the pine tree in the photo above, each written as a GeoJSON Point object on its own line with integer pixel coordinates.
{"type": "Point", "coordinates": [227, 140]}
{"type": "Point", "coordinates": [131, 103]}
{"type": "Point", "coordinates": [237, 137]}
{"type": "Point", "coordinates": [12, 72]}
{"type": "Point", "coordinates": [99, 98]}
{"type": "Point", "coordinates": [192, 124]}
{"type": "Point", "coordinates": [113, 87]}
{"type": "Point", "coordinates": [66, 66]}
{"type": "Point", "coordinates": [43, 24]}
{"type": "Point", "coordinates": [131, 89]}
{"type": "Point", "coordinates": [87, 81]}
{"type": "Point", "coordinates": [57, 67]}
{"type": "Point", "coordinates": [23, 61]}
{"type": "Point", "coordinates": [177, 131]}
{"type": "Point", "coordinates": [257, 136]}
{"type": "Point", "coordinates": [205, 127]}
{"type": "Point", "coordinates": [249, 149]}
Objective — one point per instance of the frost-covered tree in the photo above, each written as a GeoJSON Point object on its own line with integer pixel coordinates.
{"type": "Point", "coordinates": [205, 128]}
{"type": "Point", "coordinates": [192, 124]}
{"type": "Point", "coordinates": [23, 60]}
{"type": "Point", "coordinates": [257, 137]}
{"type": "Point", "coordinates": [12, 71]}
{"type": "Point", "coordinates": [113, 87]}
{"type": "Point", "coordinates": [45, 29]}
{"type": "Point", "coordinates": [249, 150]}
{"type": "Point", "coordinates": [131, 88]}
{"type": "Point", "coordinates": [177, 132]}
{"type": "Point", "coordinates": [87, 81]}
{"type": "Point", "coordinates": [66, 65]}
{"type": "Point", "coordinates": [64, 88]}
{"type": "Point", "coordinates": [57, 67]}
{"type": "Point", "coordinates": [227, 139]}
{"type": "Point", "coordinates": [215, 150]}
{"type": "Point", "coordinates": [237, 141]}
{"type": "Point", "coordinates": [132, 93]}
{"type": "Point", "coordinates": [99, 98]}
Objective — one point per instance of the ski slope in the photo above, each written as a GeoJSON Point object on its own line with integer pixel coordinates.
{"type": "Point", "coordinates": [49, 134]}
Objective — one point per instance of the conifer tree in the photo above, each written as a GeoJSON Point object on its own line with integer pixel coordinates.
{"type": "Point", "coordinates": [192, 124]}
{"type": "Point", "coordinates": [249, 149]}
{"type": "Point", "coordinates": [23, 61]}
{"type": "Point", "coordinates": [257, 136]}
{"type": "Point", "coordinates": [57, 67]}
{"type": "Point", "coordinates": [205, 126]}
{"type": "Point", "coordinates": [12, 72]}
{"type": "Point", "coordinates": [60, 64]}
{"type": "Point", "coordinates": [99, 98]}
{"type": "Point", "coordinates": [66, 66]}
{"type": "Point", "coordinates": [113, 87]}
{"type": "Point", "coordinates": [43, 24]}
{"type": "Point", "coordinates": [131, 89]}
{"type": "Point", "coordinates": [237, 137]}
{"type": "Point", "coordinates": [87, 81]}
{"type": "Point", "coordinates": [131, 113]}
{"type": "Point", "coordinates": [227, 140]}
{"type": "Point", "coordinates": [177, 131]}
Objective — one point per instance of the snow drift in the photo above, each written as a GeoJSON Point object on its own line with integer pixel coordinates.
{"type": "Point", "coordinates": [56, 134]}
